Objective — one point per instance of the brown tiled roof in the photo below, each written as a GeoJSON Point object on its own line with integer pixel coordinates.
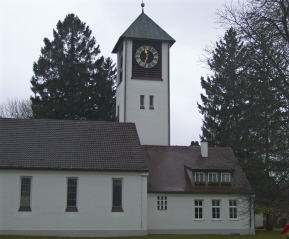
{"type": "Point", "coordinates": [70, 145]}
{"type": "Point", "coordinates": [170, 169]}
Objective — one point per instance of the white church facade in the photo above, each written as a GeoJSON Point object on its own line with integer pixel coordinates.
{"type": "Point", "coordinates": [103, 179]}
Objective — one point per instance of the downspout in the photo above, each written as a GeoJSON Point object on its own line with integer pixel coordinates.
{"type": "Point", "coordinates": [141, 209]}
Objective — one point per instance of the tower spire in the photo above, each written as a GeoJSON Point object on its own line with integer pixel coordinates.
{"type": "Point", "coordinates": [142, 5]}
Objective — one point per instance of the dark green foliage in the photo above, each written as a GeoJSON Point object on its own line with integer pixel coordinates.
{"type": "Point", "coordinates": [70, 81]}
{"type": "Point", "coordinates": [224, 104]}
{"type": "Point", "coordinates": [243, 108]}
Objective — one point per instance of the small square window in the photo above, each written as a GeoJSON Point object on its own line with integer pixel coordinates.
{"type": "Point", "coordinates": [162, 203]}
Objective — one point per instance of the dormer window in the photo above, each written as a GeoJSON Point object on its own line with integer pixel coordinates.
{"type": "Point", "coordinates": [199, 177]}
{"type": "Point", "coordinates": [225, 177]}
{"type": "Point", "coordinates": [205, 175]}
{"type": "Point", "coordinates": [212, 177]}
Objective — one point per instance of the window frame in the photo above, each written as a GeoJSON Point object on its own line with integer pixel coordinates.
{"type": "Point", "coordinates": [199, 209]}
{"type": "Point", "coordinates": [216, 209]}
{"type": "Point", "coordinates": [117, 208]}
{"type": "Point", "coordinates": [71, 208]}
{"type": "Point", "coordinates": [23, 207]}
{"type": "Point", "coordinates": [233, 209]}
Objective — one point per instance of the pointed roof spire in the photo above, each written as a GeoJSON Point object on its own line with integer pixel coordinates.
{"type": "Point", "coordinates": [142, 5]}
{"type": "Point", "coordinates": [144, 28]}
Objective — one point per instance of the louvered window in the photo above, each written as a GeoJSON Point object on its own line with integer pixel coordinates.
{"type": "Point", "coordinates": [141, 73]}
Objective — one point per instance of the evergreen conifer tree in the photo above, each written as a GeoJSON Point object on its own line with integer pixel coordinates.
{"type": "Point", "coordinates": [223, 104]}
{"type": "Point", "coordinates": [243, 109]}
{"type": "Point", "coordinates": [70, 80]}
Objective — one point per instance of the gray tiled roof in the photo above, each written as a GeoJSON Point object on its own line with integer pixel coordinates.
{"type": "Point", "coordinates": [70, 145]}
{"type": "Point", "coordinates": [169, 171]}
{"type": "Point", "coordinates": [144, 28]}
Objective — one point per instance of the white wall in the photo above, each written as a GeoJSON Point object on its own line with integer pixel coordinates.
{"type": "Point", "coordinates": [94, 203]}
{"type": "Point", "coordinates": [179, 217]}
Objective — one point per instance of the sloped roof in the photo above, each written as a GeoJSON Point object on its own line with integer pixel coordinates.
{"type": "Point", "coordinates": [70, 145]}
{"type": "Point", "coordinates": [169, 171]}
{"type": "Point", "coordinates": [144, 28]}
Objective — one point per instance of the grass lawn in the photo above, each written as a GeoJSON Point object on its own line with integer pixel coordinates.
{"type": "Point", "coordinates": [275, 234]}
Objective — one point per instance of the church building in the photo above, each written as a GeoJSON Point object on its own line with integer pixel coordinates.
{"type": "Point", "coordinates": [123, 178]}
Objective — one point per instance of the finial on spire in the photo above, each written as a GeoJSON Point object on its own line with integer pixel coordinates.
{"type": "Point", "coordinates": [142, 5]}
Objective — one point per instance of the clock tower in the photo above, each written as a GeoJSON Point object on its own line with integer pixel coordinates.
{"type": "Point", "coordinates": [143, 82]}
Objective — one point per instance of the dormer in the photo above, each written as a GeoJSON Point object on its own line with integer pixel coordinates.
{"type": "Point", "coordinates": [202, 175]}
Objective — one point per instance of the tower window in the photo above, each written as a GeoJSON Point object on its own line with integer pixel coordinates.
{"type": "Point", "coordinates": [151, 102]}
{"type": "Point", "coordinates": [142, 99]}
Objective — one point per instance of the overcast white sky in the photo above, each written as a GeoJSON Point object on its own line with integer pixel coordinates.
{"type": "Point", "coordinates": [25, 23]}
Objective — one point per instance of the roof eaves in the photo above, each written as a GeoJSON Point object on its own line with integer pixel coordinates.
{"type": "Point", "coordinates": [208, 168]}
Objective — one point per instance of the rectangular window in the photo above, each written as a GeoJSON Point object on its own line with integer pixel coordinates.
{"type": "Point", "coordinates": [162, 203]}
{"type": "Point", "coordinates": [71, 195]}
{"type": "Point", "coordinates": [25, 195]}
{"type": "Point", "coordinates": [233, 209]}
{"type": "Point", "coordinates": [213, 177]}
{"type": "Point", "coordinates": [117, 195]}
{"type": "Point", "coordinates": [151, 102]}
{"type": "Point", "coordinates": [199, 177]}
{"type": "Point", "coordinates": [198, 209]}
{"type": "Point", "coordinates": [225, 177]}
{"type": "Point", "coordinates": [216, 210]}
{"type": "Point", "coordinates": [142, 100]}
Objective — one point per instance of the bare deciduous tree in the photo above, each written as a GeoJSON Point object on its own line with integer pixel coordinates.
{"type": "Point", "coordinates": [14, 108]}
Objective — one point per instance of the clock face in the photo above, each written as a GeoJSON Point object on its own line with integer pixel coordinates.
{"type": "Point", "coordinates": [146, 56]}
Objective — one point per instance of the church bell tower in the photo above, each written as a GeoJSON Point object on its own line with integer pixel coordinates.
{"type": "Point", "coordinates": [143, 82]}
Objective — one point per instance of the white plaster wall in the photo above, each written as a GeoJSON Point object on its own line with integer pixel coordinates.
{"type": "Point", "coordinates": [94, 202]}
{"type": "Point", "coordinates": [179, 217]}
